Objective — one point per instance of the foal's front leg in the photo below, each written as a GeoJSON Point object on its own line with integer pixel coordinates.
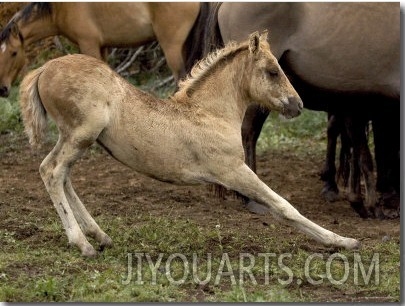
{"type": "Point", "coordinates": [245, 181]}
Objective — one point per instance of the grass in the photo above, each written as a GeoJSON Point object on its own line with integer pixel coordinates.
{"type": "Point", "coordinates": [307, 131]}
{"type": "Point", "coordinates": [10, 119]}
{"type": "Point", "coordinates": [51, 271]}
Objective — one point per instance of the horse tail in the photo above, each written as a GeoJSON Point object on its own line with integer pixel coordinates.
{"type": "Point", "coordinates": [32, 109]}
{"type": "Point", "coordinates": [212, 36]}
{"type": "Point", "coordinates": [204, 36]}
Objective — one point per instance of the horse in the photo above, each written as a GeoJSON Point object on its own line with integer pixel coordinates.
{"type": "Point", "coordinates": [341, 58]}
{"type": "Point", "coordinates": [192, 137]}
{"type": "Point", "coordinates": [95, 27]}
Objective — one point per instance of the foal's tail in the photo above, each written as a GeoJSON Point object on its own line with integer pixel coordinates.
{"type": "Point", "coordinates": [32, 110]}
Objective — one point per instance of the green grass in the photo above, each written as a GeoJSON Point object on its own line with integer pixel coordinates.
{"type": "Point", "coordinates": [10, 119]}
{"type": "Point", "coordinates": [51, 271]}
{"type": "Point", "coordinates": [305, 132]}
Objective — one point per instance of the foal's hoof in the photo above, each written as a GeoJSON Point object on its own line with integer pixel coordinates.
{"type": "Point", "coordinates": [89, 251]}
{"type": "Point", "coordinates": [105, 243]}
{"type": "Point", "coordinates": [257, 208]}
{"type": "Point", "coordinates": [352, 244]}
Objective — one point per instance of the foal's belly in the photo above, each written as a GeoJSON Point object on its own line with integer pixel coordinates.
{"type": "Point", "coordinates": [165, 159]}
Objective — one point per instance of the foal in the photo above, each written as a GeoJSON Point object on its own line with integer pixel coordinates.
{"type": "Point", "coordinates": [191, 138]}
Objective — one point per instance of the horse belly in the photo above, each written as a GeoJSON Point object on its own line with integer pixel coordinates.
{"type": "Point", "coordinates": [150, 148]}
{"type": "Point", "coordinates": [119, 24]}
{"type": "Point", "coordinates": [126, 25]}
{"type": "Point", "coordinates": [348, 47]}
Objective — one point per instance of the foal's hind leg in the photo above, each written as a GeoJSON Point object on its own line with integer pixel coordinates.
{"type": "Point", "coordinates": [54, 171]}
{"type": "Point", "coordinates": [245, 181]}
{"type": "Point", "coordinates": [86, 222]}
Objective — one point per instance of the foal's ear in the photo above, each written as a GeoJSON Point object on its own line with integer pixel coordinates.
{"type": "Point", "coordinates": [264, 35]}
{"type": "Point", "coordinates": [254, 42]}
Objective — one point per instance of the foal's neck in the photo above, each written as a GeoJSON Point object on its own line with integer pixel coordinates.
{"type": "Point", "coordinates": [223, 93]}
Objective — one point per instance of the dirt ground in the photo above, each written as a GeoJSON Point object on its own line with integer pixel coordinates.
{"type": "Point", "coordinates": [110, 188]}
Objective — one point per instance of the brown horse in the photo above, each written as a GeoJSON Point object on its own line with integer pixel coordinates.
{"type": "Point", "coordinates": [343, 58]}
{"type": "Point", "coordinates": [193, 137]}
{"type": "Point", "coordinates": [94, 27]}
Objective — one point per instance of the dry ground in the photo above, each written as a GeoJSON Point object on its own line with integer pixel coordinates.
{"type": "Point", "coordinates": [111, 190]}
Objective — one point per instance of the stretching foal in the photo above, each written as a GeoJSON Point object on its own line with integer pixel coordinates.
{"type": "Point", "coordinates": [193, 137]}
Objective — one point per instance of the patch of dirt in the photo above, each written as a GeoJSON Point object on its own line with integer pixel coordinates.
{"type": "Point", "coordinates": [110, 188]}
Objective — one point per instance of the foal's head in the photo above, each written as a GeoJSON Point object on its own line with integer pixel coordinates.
{"type": "Point", "coordinates": [267, 83]}
{"type": "Point", "coordinates": [12, 57]}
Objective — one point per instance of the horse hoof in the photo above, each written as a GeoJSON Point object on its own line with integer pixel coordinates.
{"type": "Point", "coordinates": [390, 200]}
{"type": "Point", "coordinates": [359, 208]}
{"type": "Point", "coordinates": [390, 213]}
{"type": "Point", "coordinates": [353, 244]}
{"type": "Point", "coordinates": [257, 208]}
{"type": "Point", "coordinates": [377, 212]}
{"type": "Point", "coordinates": [105, 242]}
{"type": "Point", "coordinates": [89, 251]}
{"type": "Point", "coordinates": [330, 195]}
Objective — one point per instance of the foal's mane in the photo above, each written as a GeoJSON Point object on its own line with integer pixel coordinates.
{"type": "Point", "coordinates": [34, 9]}
{"type": "Point", "coordinates": [205, 67]}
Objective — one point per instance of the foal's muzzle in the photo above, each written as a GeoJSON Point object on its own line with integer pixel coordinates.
{"type": "Point", "coordinates": [293, 108]}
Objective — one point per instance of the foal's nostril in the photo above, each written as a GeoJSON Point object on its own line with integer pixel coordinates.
{"type": "Point", "coordinates": [4, 91]}
{"type": "Point", "coordinates": [295, 106]}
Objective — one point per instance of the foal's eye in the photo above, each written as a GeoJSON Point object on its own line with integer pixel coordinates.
{"type": "Point", "coordinates": [272, 72]}
{"type": "Point", "coordinates": [14, 54]}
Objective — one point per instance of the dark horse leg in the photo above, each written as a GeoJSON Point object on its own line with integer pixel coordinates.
{"type": "Point", "coordinates": [252, 125]}
{"type": "Point", "coordinates": [330, 190]}
{"type": "Point", "coordinates": [386, 128]}
{"type": "Point", "coordinates": [361, 163]}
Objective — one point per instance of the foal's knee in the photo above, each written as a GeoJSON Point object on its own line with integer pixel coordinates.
{"type": "Point", "coordinates": [51, 176]}
{"type": "Point", "coordinates": [45, 173]}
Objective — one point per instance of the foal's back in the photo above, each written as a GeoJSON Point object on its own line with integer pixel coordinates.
{"type": "Point", "coordinates": [77, 88]}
